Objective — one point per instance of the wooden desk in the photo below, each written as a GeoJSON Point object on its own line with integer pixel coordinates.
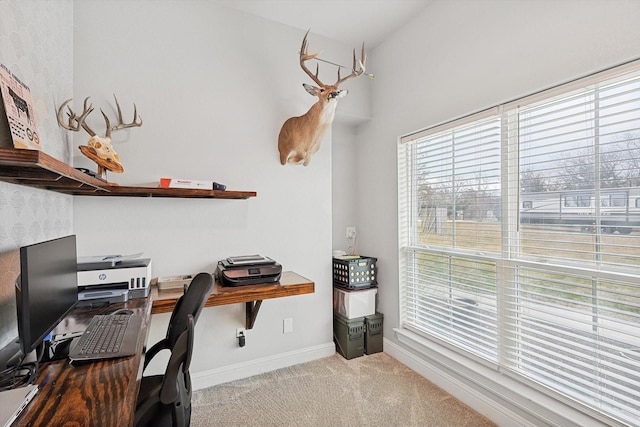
{"type": "Point", "coordinates": [290, 284]}
{"type": "Point", "coordinates": [104, 393]}
{"type": "Point", "coordinates": [89, 394]}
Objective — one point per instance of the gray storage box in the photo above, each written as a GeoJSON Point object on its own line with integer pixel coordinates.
{"type": "Point", "coordinates": [348, 334]}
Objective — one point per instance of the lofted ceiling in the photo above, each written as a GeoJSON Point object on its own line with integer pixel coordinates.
{"type": "Point", "coordinates": [347, 21]}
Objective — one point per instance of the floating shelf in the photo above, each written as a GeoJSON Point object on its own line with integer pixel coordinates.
{"type": "Point", "coordinates": [290, 284]}
{"type": "Point", "coordinates": [34, 168]}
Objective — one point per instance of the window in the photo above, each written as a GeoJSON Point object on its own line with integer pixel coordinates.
{"type": "Point", "coordinates": [577, 200]}
{"type": "Point", "coordinates": [618, 199]}
{"type": "Point", "coordinates": [519, 234]}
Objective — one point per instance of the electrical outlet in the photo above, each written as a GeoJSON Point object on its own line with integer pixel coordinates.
{"type": "Point", "coordinates": [351, 232]}
{"type": "Point", "coordinates": [241, 334]}
{"type": "Point", "coordinates": [287, 325]}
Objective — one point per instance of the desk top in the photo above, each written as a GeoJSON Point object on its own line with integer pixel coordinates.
{"type": "Point", "coordinates": [104, 393]}
{"type": "Point", "coordinates": [89, 394]}
{"type": "Point", "coordinates": [290, 284]}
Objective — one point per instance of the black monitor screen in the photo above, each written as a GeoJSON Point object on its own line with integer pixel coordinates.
{"type": "Point", "coordinates": [47, 289]}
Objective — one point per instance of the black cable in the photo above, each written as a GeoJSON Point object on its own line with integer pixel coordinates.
{"type": "Point", "coordinates": [21, 374]}
{"type": "Point", "coordinates": [18, 376]}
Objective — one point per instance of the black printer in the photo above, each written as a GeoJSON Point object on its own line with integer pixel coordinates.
{"type": "Point", "coordinates": [248, 270]}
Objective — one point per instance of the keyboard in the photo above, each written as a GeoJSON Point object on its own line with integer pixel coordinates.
{"type": "Point", "coordinates": [107, 336]}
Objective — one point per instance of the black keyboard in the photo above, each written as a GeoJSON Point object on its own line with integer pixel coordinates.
{"type": "Point", "coordinates": [107, 336]}
{"type": "Point", "coordinates": [107, 333]}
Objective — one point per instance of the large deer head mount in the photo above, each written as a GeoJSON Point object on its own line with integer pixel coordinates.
{"type": "Point", "coordinates": [98, 148]}
{"type": "Point", "coordinates": [300, 136]}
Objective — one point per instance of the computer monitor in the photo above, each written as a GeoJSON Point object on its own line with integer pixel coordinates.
{"type": "Point", "coordinates": [46, 290]}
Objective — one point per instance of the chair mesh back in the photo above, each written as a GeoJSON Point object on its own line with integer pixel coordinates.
{"type": "Point", "coordinates": [191, 303]}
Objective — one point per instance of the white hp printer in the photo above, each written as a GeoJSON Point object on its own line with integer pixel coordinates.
{"type": "Point", "coordinates": [112, 282]}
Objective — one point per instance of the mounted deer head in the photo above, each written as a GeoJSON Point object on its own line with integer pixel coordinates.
{"type": "Point", "coordinates": [300, 137]}
{"type": "Point", "coordinates": [98, 149]}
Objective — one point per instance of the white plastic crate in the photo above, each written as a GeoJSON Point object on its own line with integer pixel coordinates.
{"type": "Point", "coordinates": [355, 303]}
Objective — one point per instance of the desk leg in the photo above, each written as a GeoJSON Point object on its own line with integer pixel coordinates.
{"type": "Point", "coordinates": [251, 313]}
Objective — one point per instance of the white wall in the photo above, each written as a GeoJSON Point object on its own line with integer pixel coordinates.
{"type": "Point", "coordinates": [458, 57]}
{"type": "Point", "coordinates": [36, 44]}
{"type": "Point", "coordinates": [213, 87]}
{"type": "Point", "coordinates": [343, 164]}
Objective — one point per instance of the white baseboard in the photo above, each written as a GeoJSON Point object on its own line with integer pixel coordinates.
{"type": "Point", "coordinates": [498, 397]}
{"type": "Point", "coordinates": [238, 371]}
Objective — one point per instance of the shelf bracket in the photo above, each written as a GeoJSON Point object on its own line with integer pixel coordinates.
{"type": "Point", "coordinates": [251, 312]}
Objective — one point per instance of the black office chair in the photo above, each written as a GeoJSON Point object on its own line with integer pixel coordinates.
{"type": "Point", "coordinates": [186, 311]}
{"type": "Point", "coordinates": [191, 302]}
{"type": "Point", "coordinates": [165, 400]}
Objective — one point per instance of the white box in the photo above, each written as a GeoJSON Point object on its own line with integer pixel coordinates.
{"type": "Point", "coordinates": [185, 183]}
{"type": "Point", "coordinates": [174, 282]}
{"type": "Point", "coordinates": [354, 303]}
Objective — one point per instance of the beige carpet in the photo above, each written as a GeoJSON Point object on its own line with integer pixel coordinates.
{"type": "Point", "coordinates": [374, 390]}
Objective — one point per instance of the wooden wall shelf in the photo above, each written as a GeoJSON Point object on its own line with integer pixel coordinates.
{"type": "Point", "coordinates": [290, 284]}
{"type": "Point", "coordinates": [34, 168]}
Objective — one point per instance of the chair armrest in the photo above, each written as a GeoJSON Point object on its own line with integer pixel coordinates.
{"type": "Point", "coordinates": [154, 350]}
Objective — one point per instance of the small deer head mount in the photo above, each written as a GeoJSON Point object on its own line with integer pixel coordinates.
{"type": "Point", "coordinates": [98, 149]}
{"type": "Point", "coordinates": [300, 137]}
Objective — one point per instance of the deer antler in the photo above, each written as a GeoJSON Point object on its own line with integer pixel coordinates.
{"type": "Point", "coordinates": [300, 136]}
{"type": "Point", "coordinates": [98, 149]}
{"type": "Point", "coordinates": [304, 56]}
{"type": "Point", "coordinates": [75, 122]}
{"type": "Point", "coordinates": [137, 121]}
{"type": "Point", "coordinates": [354, 72]}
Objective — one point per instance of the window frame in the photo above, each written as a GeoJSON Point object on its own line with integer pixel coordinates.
{"type": "Point", "coordinates": [506, 265]}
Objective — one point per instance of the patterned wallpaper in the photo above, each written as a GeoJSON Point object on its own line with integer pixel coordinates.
{"type": "Point", "coordinates": [36, 44]}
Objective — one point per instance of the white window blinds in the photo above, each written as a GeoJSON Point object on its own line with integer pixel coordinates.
{"type": "Point", "coordinates": [520, 239]}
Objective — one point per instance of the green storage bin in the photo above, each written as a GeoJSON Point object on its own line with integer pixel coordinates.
{"type": "Point", "coordinates": [348, 334]}
{"type": "Point", "coordinates": [373, 333]}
